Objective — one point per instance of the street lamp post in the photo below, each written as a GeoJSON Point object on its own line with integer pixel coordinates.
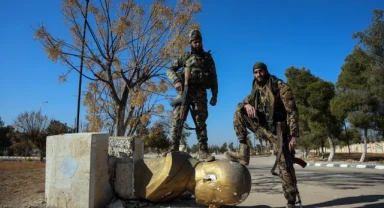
{"type": "Point", "coordinates": [81, 68]}
{"type": "Point", "coordinates": [42, 105]}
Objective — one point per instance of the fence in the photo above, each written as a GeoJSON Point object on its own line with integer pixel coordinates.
{"type": "Point", "coordinates": [376, 147]}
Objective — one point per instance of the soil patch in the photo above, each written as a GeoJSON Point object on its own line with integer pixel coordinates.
{"type": "Point", "coordinates": [22, 184]}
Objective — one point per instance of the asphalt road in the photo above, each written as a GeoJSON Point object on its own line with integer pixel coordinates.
{"type": "Point", "coordinates": [318, 186]}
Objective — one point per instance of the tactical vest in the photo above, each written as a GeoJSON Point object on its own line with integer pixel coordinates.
{"type": "Point", "coordinates": [201, 74]}
{"type": "Point", "coordinates": [268, 104]}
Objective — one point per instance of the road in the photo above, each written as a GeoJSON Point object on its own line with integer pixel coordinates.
{"type": "Point", "coordinates": [318, 186]}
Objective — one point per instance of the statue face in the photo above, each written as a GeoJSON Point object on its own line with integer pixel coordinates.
{"type": "Point", "coordinates": [217, 183]}
{"type": "Point", "coordinates": [221, 183]}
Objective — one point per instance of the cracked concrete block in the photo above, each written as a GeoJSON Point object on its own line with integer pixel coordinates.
{"type": "Point", "coordinates": [121, 146]}
{"type": "Point", "coordinates": [124, 182]}
{"type": "Point", "coordinates": [117, 204]}
{"type": "Point", "coordinates": [123, 152]}
{"type": "Point", "coordinates": [77, 170]}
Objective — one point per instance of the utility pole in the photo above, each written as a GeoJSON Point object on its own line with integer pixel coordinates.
{"type": "Point", "coordinates": [81, 68]}
{"type": "Point", "coordinates": [42, 105]}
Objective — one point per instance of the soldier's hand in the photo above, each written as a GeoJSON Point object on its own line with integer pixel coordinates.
{"type": "Point", "coordinates": [178, 86]}
{"type": "Point", "coordinates": [292, 144]}
{"type": "Point", "coordinates": [213, 101]}
{"type": "Point", "coordinates": [250, 110]}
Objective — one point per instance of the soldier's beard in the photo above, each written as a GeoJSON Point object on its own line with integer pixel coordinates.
{"type": "Point", "coordinates": [197, 50]}
{"type": "Point", "coordinates": [263, 81]}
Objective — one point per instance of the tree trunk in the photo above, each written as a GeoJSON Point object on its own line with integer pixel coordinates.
{"type": "Point", "coordinates": [41, 145]}
{"type": "Point", "coordinates": [346, 136]}
{"type": "Point", "coordinates": [41, 156]}
{"type": "Point", "coordinates": [303, 152]}
{"type": "Point", "coordinates": [120, 127]}
{"type": "Point", "coordinates": [322, 152]}
{"type": "Point", "coordinates": [268, 146]}
{"type": "Point", "coordinates": [364, 146]}
{"type": "Point", "coordinates": [26, 150]}
{"type": "Point", "coordinates": [261, 146]}
{"type": "Point", "coordinates": [349, 148]}
{"type": "Point", "coordinates": [331, 148]}
{"type": "Point", "coordinates": [307, 150]}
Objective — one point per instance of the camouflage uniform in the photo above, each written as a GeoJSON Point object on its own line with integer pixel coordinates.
{"type": "Point", "coordinates": [273, 102]}
{"type": "Point", "coordinates": [200, 63]}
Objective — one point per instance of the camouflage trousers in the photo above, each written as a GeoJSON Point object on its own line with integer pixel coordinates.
{"type": "Point", "coordinates": [241, 123]}
{"type": "Point", "coordinates": [197, 99]}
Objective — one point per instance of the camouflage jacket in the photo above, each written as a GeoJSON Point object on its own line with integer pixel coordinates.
{"type": "Point", "coordinates": [199, 64]}
{"type": "Point", "coordinates": [275, 101]}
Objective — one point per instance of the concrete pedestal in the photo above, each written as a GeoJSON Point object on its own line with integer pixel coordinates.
{"type": "Point", "coordinates": [77, 170]}
{"type": "Point", "coordinates": [123, 151]}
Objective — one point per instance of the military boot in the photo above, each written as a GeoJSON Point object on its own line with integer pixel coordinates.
{"type": "Point", "coordinates": [291, 206]}
{"type": "Point", "coordinates": [204, 153]}
{"type": "Point", "coordinates": [242, 156]}
{"type": "Point", "coordinates": [174, 147]}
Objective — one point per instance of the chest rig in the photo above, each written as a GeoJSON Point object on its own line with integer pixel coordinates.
{"type": "Point", "coordinates": [201, 75]}
{"type": "Point", "coordinates": [268, 104]}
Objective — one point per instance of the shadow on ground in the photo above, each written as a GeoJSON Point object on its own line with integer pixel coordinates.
{"type": "Point", "coordinates": [342, 181]}
{"type": "Point", "coordinates": [346, 202]}
{"type": "Point", "coordinates": [178, 203]}
{"type": "Point", "coordinates": [350, 201]}
{"type": "Point", "coordinates": [336, 180]}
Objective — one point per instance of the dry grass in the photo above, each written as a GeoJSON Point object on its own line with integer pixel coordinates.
{"type": "Point", "coordinates": [22, 183]}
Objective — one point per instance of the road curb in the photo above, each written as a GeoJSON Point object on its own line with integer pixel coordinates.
{"type": "Point", "coordinates": [10, 158]}
{"type": "Point", "coordinates": [345, 165]}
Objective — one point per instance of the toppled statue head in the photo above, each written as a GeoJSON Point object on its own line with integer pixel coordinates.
{"type": "Point", "coordinates": [213, 183]}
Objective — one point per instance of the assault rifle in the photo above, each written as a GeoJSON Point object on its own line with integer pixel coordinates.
{"type": "Point", "coordinates": [290, 159]}
{"type": "Point", "coordinates": [183, 101]}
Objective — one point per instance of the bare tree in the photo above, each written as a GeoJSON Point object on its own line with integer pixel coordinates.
{"type": "Point", "coordinates": [32, 126]}
{"type": "Point", "coordinates": [124, 56]}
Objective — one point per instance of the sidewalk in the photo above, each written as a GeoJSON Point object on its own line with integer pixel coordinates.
{"type": "Point", "coordinates": [346, 165]}
{"type": "Point", "coordinates": [22, 158]}
{"type": "Point", "coordinates": [339, 164]}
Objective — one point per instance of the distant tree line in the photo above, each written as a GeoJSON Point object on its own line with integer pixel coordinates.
{"type": "Point", "coordinates": [345, 112]}
{"type": "Point", "coordinates": [28, 133]}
